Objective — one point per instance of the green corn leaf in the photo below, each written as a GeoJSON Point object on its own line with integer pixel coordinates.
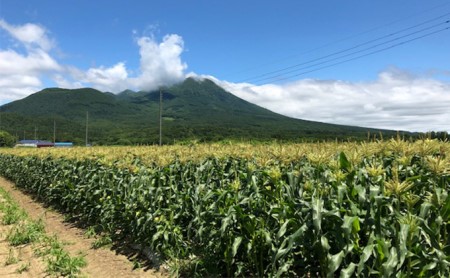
{"type": "Point", "coordinates": [424, 209]}
{"type": "Point", "coordinates": [445, 210]}
{"type": "Point", "coordinates": [236, 243]}
{"type": "Point", "coordinates": [325, 244]}
{"type": "Point", "coordinates": [280, 253]}
{"type": "Point", "coordinates": [334, 261]}
{"type": "Point", "coordinates": [344, 163]}
{"type": "Point", "coordinates": [351, 224]}
{"type": "Point", "coordinates": [156, 236]}
{"type": "Point", "coordinates": [347, 224]}
{"type": "Point", "coordinates": [290, 242]}
{"type": "Point", "coordinates": [284, 268]}
{"type": "Point", "coordinates": [429, 236]}
{"type": "Point", "coordinates": [389, 267]}
{"type": "Point", "coordinates": [348, 271]}
{"type": "Point", "coordinates": [403, 238]}
{"type": "Point", "coordinates": [366, 253]}
{"type": "Point", "coordinates": [426, 268]}
{"type": "Point", "coordinates": [317, 206]}
{"type": "Point", "coordinates": [225, 223]}
{"type": "Point", "coordinates": [356, 226]}
{"type": "Point", "coordinates": [282, 230]}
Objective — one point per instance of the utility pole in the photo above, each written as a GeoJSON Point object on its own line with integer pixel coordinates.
{"type": "Point", "coordinates": [35, 133]}
{"type": "Point", "coordinates": [87, 124]}
{"type": "Point", "coordinates": [160, 117]}
{"type": "Point", "coordinates": [54, 131]}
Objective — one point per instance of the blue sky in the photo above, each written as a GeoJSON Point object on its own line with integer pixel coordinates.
{"type": "Point", "coordinates": [113, 45]}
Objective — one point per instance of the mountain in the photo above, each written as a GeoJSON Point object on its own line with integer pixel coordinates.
{"type": "Point", "coordinates": [192, 109]}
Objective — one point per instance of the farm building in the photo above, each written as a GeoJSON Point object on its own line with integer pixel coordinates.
{"type": "Point", "coordinates": [63, 144]}
{"type": "Point", "coordinates": [34, 144]}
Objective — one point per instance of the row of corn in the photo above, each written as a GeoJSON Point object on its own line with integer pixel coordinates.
{"type": "Point", "coordinates": [384, 213]}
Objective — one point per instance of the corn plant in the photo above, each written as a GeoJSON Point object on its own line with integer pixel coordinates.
{"type": "Point", "coordinates": [370, 209]}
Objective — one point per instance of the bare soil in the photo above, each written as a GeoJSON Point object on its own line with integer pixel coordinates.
{"type": "Point", "coordinates": [102, 262]}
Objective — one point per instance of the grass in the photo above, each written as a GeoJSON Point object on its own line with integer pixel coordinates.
{"type": "Point", "coordinates": [102, 241]}
{"type": "Point", "coordinates": [23, 268]}
{"type": "Point", "coordinates": [12, 258]}
{"type": "Point", "coordinates": [90, 232]}
{"type": "Point", "coordinates": [27, 231]}
{"type": "Point", "coordinates": [12, 214]}
{"type": "Point", "coordinates": [59, 262]}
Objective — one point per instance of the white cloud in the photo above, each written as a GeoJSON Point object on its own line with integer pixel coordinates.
{"type": "Point", "coordinates": [112, 79]}
{"type": "Point", "coordinates": [30, 58]}
{"type": "Point", "coordinates": [32, 35]}
{"type": "Point", "coordinates": [20, 73]}
{"type": "Point", "coordinates": [28, 83]}
{"type": "Point", "coordinates": [35, 62]}
{"type": "Point", "coordinates": [396, 100]}
{"type": "Point", "coordinates": [160, 62]}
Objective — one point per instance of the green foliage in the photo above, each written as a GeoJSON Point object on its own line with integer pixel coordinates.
{"type": "Point", "coordinates": [377, 215]}
{"type": "Point", "coordinates": [102, 241]}
{"type": "Point", "coordinates": [26, 232]}
{"type": "Point", "coordinates": [11, 258]}
{"type": "Point", "coordinates": [12, 214]}
{"type": "Point", "coordinates": [6, 139]}
{"type": "Point", "coordinates": [61, 263]}
{"type": "Point", "coordinates": [23, 268]}
{"type": "Point", "coordinates": [90, 232]}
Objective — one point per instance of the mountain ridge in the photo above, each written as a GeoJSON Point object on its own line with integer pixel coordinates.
{"type": "Point", "coordinates": [192, 109]}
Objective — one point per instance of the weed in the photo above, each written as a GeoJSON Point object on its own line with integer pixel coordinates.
{"type": "Point", "coordinates": [136, 264]}
{"type": "Point", "coordinates": [90, 232]}
{"type": "Point", "coordinates": [23, 268]}
{"type": "Point", "coordinates": [60, 262]}
{"type": "Point", "coordinates": [12, 214]}
{"type": "Point", "coordinates": [48, 244]}
{"type": "Point", "coordinates": [11, 259]}
{"type": "Point", "coordinates": [26, 232]}
{"type": "Point", "coordinates": [101, 242]}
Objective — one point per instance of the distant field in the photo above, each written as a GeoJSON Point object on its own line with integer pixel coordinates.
{"type": "Point", "coordinates": [324, 209]}
{"type": "Point", "coordinates": [262, 153]}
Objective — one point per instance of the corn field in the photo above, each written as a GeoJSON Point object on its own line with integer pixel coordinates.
{"type": "Point", "coordinates": [275, 210]}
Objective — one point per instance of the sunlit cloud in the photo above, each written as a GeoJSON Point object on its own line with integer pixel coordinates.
{"type": "Point", "coordinates": [31, 35]}
{"type": "Point", "coordinates": [160, 63]}
{"type": "Point", "coordinates": [21, 71]}
{"type": "Point", "coordinates": [31, 57]}
{"type": "Point", "coordinates": [397, 100]}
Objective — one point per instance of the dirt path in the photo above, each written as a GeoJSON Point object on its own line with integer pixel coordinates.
{"type": "Point", "coordinates": [101, 262]}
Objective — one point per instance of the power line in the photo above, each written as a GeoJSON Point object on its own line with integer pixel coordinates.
{"type": "Point", "coordinates": [263, 76]}
{"type": "Point", "coordinates": [295, 68]}
{"type": "Point", "coordinates": [283, 78]}
{"type": "Point", "coordinates": [361, 56]}
{"type": "Point", "coordinates": [348, 37]}
{"type": "Point", "coordinates": [87, 125]}
{"type": "Point", "coordinates": [160, 116]}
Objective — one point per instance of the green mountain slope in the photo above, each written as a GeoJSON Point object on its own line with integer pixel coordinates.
{"type": "Point", "coordinates": [192, 109]}
{"type": "Point", "coordinates": [70, 104]}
